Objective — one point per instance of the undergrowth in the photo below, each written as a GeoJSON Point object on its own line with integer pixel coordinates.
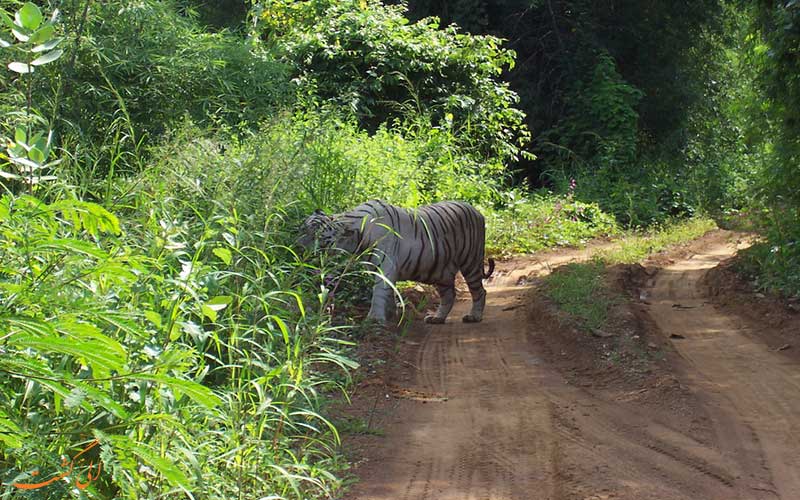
{"type": "Point", "coordinates": [638, 246]}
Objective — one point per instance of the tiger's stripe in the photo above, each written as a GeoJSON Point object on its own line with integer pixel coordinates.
{"type": "Point", "coordinates": [429, 244]}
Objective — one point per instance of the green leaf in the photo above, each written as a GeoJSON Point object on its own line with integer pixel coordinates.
{"type": "Point", "coordinates": [224, 254]}
{"type": "Point", "coordinates": [196, 392]}
{"type": "Point", "coordinates": [215, 305]}
{"type": "Point", "coordinates": [47, 58]}
{"type": "Point", "coordinates": [149, 457]}
{"type": "Point", "coordinates": [90, 216]}
{"type": "Point", "coordinates": [104, 399]}
{"type": "Point", "coordinates": [219, 302]}
{"type": "Point", "coordinates": [282, 326]}
{"type": "Point", "coordinates": [153, 317]}
{"type": "Point", "coordinates": [36, 155]}
{"type": "Point", "coordinates": [29, 16]}
{"type": "Point", "coordinates": [10, 433]}
{"type": "Point", "coordinates": [21, 68]}
{"type": "Point", "coordinates": [19, 34]}
{"type": "Point", "coordinates": [7, 19]}
{"type": "Point", "coordinates": [175, 331]}
{"type": "Point", "coordinates": [72, 246]}
{"type": "Point", "coordinates": [42, 35]}
{"type": "Point", "coordinates": [94, 353]}
{"type": "Point", "coordinates": [209, 312]}
{"type": "Point", "coordinates": [49, 45]}
{"type": "Point", "coordinates": [29, 325]}
{"type": "Point", "coordinates": [87, 332]}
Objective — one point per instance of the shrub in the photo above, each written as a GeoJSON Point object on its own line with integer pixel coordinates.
{"type": "Point", "coordinates": [367, 57]}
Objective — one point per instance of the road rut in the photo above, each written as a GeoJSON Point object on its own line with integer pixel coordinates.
{"type": "Point", "coordinates": [477, 412]}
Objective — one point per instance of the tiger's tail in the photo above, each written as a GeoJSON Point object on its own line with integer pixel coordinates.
{"type": "Point", "coordinates": [491, 269]}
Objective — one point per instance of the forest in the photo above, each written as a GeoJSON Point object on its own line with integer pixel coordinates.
{"type": "Point", "coordinates": [159, 157]}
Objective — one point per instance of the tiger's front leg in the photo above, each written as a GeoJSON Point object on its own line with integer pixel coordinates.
{"type": "Point", "coordinates": [383, 295]}
{"type": "Point", "coordinates": [447, 295]}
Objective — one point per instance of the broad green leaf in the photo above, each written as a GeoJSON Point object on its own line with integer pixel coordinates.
{"type": "Point", "coordinates": [90, 216]}
{"type": "Point", "coordinates": [196, 392]}
{"type": "Point", "coordinates": [282, 326]}
{"type": "Point", "coordinates": [42, 35]}
{"type": "Point", "coordinates": [72, 246]}
{"type": "Point", "coordinates": [36, 155]}
{"type": "Point", "coordinates": [209, 312]}
{"type": "Point", "coordinates": [29, 367]}
{"type": "Point", "coordinates": [94, 353]}
{"type": "Point", "coordinates": [149, 457]}
{"type": "Point", "coordinates": [20, 68]}
{"type": "Point", "coordinates": [6, 19]}
{"type": "Point", "coordinates": [153, 317]}
{"type": "Point", "coordinates": [215, 305]}
{"type": "Point", "coordinates": [29, 16]}
{"type": "Point", "coordinates": [87, 332]}
{"type": "Point", "coordinates": [122, 322]}
{"type": "Point", "coordinates": [165, 467]}
{"type": "Point", "coordinates": [47, 57]}
{"type": "Point", "coordinates": [175, 331]}
{"type": "Point", "coordinates": [10, 433]}
{"type": "Point", "coordinates": [224, 254]}
{"type": "Point", "coordinates": [219, 302]}
{"type": "Point", "coordinates": [29, 325]}
{"type": "Point", "coordinates": [49, 45]}
{"type": "Point", "coordinates": [102, 398]}
{"type": "Point", "coordinates": [20, 34]}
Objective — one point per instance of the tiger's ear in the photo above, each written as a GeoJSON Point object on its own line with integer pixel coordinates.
{"type": "Point", "coordinates": [319, 212]}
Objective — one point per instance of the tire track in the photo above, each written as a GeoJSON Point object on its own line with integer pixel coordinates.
{"type": "Point", "coordinates": [511, 427]}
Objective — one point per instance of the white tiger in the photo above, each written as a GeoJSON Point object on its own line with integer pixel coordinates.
{"type": "Point", "coordinates": [429, 244]}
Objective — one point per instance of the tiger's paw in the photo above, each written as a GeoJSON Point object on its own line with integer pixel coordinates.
{"type": "Point", "coordinates": [433, 319]}
{"type": "Point", "coordinates": [471, 319]}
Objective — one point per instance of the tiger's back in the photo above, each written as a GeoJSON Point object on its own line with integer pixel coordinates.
{"type": "Point", "coordinates": [429, 244]}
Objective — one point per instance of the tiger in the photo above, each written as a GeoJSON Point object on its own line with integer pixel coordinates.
{"type": "Point", "coordinates": [429, 244]}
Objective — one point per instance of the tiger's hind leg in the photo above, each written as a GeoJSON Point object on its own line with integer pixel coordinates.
{"type": "Point", "coordinates": [478, 299]}
{"type": "Point", "coordinates": [447, 296]}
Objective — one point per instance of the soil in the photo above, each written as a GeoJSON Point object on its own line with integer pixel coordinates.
{"type": "Point", "coordinates": [690, 392]}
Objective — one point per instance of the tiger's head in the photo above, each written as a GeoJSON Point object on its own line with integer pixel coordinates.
{"type": "Point", "coordinates": [320, 230]}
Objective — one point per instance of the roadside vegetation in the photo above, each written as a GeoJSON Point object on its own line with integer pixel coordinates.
{"type": "Point", "coordinates": [582, 290]}
{"type": "Point", "coordinates": [158, 156]}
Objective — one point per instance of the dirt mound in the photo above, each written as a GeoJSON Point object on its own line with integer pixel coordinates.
{"type": "Point", "coordinates": [730, 292]}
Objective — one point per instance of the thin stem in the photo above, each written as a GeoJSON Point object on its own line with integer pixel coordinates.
{"type": "Point", "coordinates": [28, 113]}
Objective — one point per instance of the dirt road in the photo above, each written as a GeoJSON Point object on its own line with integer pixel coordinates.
{"type": "Point", "coordinates": [488, 411]}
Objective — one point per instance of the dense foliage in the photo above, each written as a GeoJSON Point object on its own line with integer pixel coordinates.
{"type": "Point", "coordinates": [369, 57]}
{"type": "Point", "coordinates": [612, 91]}
{"type": "Point", "coordinates": [158, 157]}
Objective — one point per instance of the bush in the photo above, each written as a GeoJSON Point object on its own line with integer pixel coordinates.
{"type": "Point", "coordinates": [139, 68]}
{"type": "Point", "coordinates": [367, 57]}
{"type": "Point", "coordinates": [530, 223]}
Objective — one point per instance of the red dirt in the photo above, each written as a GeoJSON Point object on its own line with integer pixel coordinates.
{"type": "Point", "coordinates": [524, 406]}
